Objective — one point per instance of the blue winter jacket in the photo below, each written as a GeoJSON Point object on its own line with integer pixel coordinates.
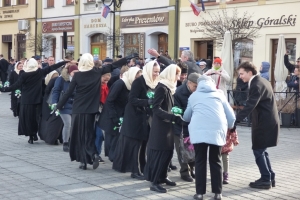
{"type": "Point", "coordinates": [209, 114]}
{"type": "Point", "coordinates": [265, 70]}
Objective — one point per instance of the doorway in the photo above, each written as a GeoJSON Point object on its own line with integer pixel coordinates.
{"type": "Point", "coordinates": [163, 42]}
{"type": "Point", "coordinates": [98, 46]}
{"type": "Point", "coordinates": [290, 46]}
{"type": "Point", "coordinates": [204, 49]}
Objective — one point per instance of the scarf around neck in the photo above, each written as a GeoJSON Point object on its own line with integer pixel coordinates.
{"type": "Point", "coordinates": [148, 75]}
{"type": "Point", "coordinates": [168, 77]}
{"type": "Point", "coordinates": [129, 76]}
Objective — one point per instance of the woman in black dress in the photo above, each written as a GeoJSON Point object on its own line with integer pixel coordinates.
{"type": "Point", "coordinates": [13, 78]}
{"type": "Point", "coordinates": [161, 139]}
{"type": "Point", "coordinates": [114, 108]}
{"type": "Point", "coordinates": [130, 152]}
{"type": "Point", "coordinates": [31, 82]}
{"type": "Point", "coordinates": [85, 106]}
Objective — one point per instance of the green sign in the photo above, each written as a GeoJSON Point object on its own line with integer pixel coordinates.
{"type": "Point", "coordinates": [96, 50]}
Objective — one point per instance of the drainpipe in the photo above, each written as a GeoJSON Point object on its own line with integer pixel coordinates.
{"type": "Point", "coordinates": [35, 28]}
{"type": "Point", "coordinates": [176, 29]}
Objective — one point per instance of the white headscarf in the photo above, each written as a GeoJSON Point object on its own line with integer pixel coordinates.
{"type": "Point", "coordinates": [31, 65]}
{"type": "Point", "coordinates": [49, 76]}
{"type": "Point", "coordinates": [168, 77]}
{"type": "Point", "coordinates": [16, 68]}
{"type": "Point", "coordinates": [86, 62]}
{"type": "Point", "coordinates": [148, 74]}
{"type": "Point", "coordinates": [129, 76]}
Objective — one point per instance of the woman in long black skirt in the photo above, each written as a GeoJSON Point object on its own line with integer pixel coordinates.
{"type": "Point", "coordinates": [13, 78]}
{"type": "Point", "coordinates": [114, 108]}
{"type": "Point", "coordinates": [85, 106]}
{"type": "Point", "coordinates": [161, 139]}
{"type": "Point", "coordinates": [130, 152]}
{"type": "Point", "coordinates": [31, 83]}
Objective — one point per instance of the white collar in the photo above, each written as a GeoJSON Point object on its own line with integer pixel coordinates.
{"type": "Point", "coordinates": [249, 83]}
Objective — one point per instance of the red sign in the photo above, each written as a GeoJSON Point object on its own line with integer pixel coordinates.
{"type": "Point", "coordinates": [58, 26]}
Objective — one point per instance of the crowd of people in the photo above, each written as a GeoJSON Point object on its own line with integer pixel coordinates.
{"type": "Point", "coordinates": [128, 104]}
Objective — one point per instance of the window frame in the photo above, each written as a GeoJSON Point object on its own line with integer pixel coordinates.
{"type": "Point", "coordinates": [4, 3]}
{"type": "Point", "coordinates": [69, 2]}
{"type": "Point", "coordinates": [49, 2]}
{"type": "Point", "coordinates": [20, 3]}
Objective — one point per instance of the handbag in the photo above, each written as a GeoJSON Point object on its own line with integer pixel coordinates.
{"type": "Point", "coordinates": [186, 149]}
{"type": "Point", "coordinates": [49, 100]}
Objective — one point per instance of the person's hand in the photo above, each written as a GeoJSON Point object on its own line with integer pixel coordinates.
{"type": "Point", "coordinates": [177, 119]}
{"type": "Point", "coordinates": [295, 82]}
{"type": "Point", "coordinates": [153, 52]}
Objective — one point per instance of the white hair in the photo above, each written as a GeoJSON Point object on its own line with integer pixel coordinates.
{"type": "Point", "coordinates": [188, 54]}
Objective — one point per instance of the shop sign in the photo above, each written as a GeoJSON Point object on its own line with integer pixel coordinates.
{"type": "Point", "coordinates": [184, 48]}
{"type": "Point", "coordinates": [96, 52]}
{"type": "Point", "coordinates": [58, 26]}
{"type": "Point", "coordinates": [142, 45]}
{"type": "Point", "coordinates": [8, 13]}
{"type": "Point", "coordinates": [158, 19]}
{"type": "Point", "coordinates": [94, 23]}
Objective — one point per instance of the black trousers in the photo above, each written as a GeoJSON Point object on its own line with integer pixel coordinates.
{"type": "Point", "coordinates": [214, 164]}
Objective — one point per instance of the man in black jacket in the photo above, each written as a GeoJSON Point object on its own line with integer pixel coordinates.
{"type": "Point", "coordinates": [265, 122]}
{"type": "Point", "coordinates": [3, 68]}
{"type": "Point", "coordinates": [289, 65]}
{"type": "Point", "coordinates": [181, 96]}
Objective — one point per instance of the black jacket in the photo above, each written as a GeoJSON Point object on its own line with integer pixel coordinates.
{"type": "Point", "coordinates": [135, 124]}
{"type": "Point", "coordinates": [112, 80]}
{"type": "Point", "coordinates": [4, 65]}
{"type": "Point", "coordinates": [181, 97]}
{"type": "Point", "coordinates": [87, 84]}
{"type": "Point", "coordinates": [114, 107]}
{"type": "Point", "coordinates": [161, 135]}
{"type": "Point", "coordinates": [288, 65]}
{"type": "Point", "coordinates": [31, 83]}
{"type": "Point", "coordinates": [265, 121]}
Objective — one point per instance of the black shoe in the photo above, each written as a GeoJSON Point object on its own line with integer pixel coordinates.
{"type": "Point", "coordinates": [30, 141]}
{"type": "Point", "coordinates": [96, 161]}
{"type": "Point", "coordinates": [158, 188]}
{"type": "Point", "coordinates": [273, 182]}
{"type": "Point", "coordinates": [218, 196]}
{"type": "Point", "coordinates": [35, 138]}
{"type": "Point", "coordinates": [101, 160]}
{"type": "Point", "coordinates": [167, 181]}
{"type": "Point", "coordinates": [137, 176]}
{"type": "Point", "coordinates": [169, 169]}
{"type": "Point", "coordinates": [192, 174]}
{"type": "Point", "coordinates": [198, 196]}
{"type": "Point", "coordinates": [66, 147]}
{"type": "Point", "coordinates": [261, 184]}
{"type": "Point", "coordinates": [187, 178]}
{"type": "Point", "coordinates": [82, 166]}
{"type": "Point", "coordinates": [172, 167]}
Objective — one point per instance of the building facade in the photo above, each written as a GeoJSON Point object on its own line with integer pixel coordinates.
{"type": "Point", "coordinates": [271, 16]}
{"type": "Point", "coordinates": [17, 22]}
{"type": "Point", "coordinates": [147, 24]}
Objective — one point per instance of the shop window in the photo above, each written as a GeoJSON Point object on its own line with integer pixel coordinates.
{"type": "Point", "coordinates": [243, 52]}
{"type": "Point", "coordinates": [7, 2]}
{"type": "Point", "coordinates": [69, 2]}
{"type": "Point", "coordinates": [131, 43]}
{"type": "Point", "coordinates": [70, 46]}
{"type": "Point", "coordinates": [21, 2]}
{"type": "Point", "coordinates": [50, 3]}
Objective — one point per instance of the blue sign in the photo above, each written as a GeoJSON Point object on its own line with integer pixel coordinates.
{"type": "Point", "coordinates": [184, 48]}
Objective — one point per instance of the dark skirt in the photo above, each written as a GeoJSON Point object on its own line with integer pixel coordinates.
{"type": "Point", "coordinates": [157, 165]}
{"type": "Point", "coordinates": [110, 143]}
{"type": "Point", "coordinates": [28, 119]}
{"type": "Point", "coordinates": [82, 139]}
{"type": "Point", "coordinates": [50, 126]}
{"type": "Point", "coordinates": [127, 155]}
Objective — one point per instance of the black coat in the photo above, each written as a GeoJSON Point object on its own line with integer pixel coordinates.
{"type": "Point", "coordinates": [112, 80]}
{"type": "Point", "coordinates": [13, 78]}
{"type": "Point", "coordinates": [288, 65]}
{"type": "Point", "coordinates": [161, 135]}
{"type": "Point", "coordinates": [114, 107]}
{"type": "Point", "coordinates": [181, 97]}
{"type": "Point", "coordinates": [31, 83]}
{"type": "Point", "coordinates": [4, 65]}
{"type": "Point", "coordinates": [265, 121]}
{"type": "Point", "coordinates": [135, 124]}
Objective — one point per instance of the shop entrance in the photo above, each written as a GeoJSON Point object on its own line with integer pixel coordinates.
{"type": "Point", "coordinates": [21, 39]}
{"type": "Point", "coordinates": [290, 46]}
{"type": "Point", "coordinates": [98, 46]}
{"type": "Point", "coordinates": [7, 40]}
{"type": "Point", "coordinates": [204, 49]}
{"type": "Point", "coordinates": [163, 42]}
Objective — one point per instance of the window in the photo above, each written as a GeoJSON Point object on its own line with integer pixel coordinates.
{"type": "Point", "coordinates": [131, 43]}
{"type": "Point", "coordinates": [21, 2]}
{"type": "Point", "coordinates": [69, 2]}
{"type": "Point", "coordinates": [50, 3]}
{"type": "Point", "coordinates": [243, 52]}
{"type": "Point", "coordinates": [99, 38]}
{"type": "Point", "coordinates": [70, 46]}
{"type": "Point", "coordinates": [7, 2]}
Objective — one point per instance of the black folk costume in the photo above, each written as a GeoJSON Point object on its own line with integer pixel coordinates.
{"type": "Point", "coordinates": [31, 82]}
{"type": "Point", "coordinates": [85, 106]}
{"type": "Point", "coordinates": [15, 101]}
{"type": "Point", "coordinates": [131, 148]}
{"type": "Point", "coordinates": [113, 110]}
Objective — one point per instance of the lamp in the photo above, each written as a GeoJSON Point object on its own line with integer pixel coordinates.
{"type": "Point", "coordinates": [116, 4]}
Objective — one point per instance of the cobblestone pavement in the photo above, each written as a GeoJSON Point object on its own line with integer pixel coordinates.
{"type": "Point", "coordinates": [42, 171]}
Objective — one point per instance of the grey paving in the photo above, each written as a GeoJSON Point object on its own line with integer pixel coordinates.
{"type": "Point", "coordinates": [42, 171]}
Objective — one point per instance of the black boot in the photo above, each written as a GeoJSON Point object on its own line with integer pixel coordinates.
{"type": "Point", "coordinates": [30, 141]}
{"type": "Point", "coordinates": [35, 138]}
{"type": "Point", "coordinates": [172, 167]}
{"type": "Point", "coordinates": [66, 147]}
{"type": "Point", "coordinates": [157, 188]}
{"type": "Point", "coordinates": [82, 166]}
{"type": "Point", "coordinates": [96, 161]}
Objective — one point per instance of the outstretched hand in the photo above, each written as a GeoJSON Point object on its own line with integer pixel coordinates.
{"type": "Point", "coordinates": [153, 52]}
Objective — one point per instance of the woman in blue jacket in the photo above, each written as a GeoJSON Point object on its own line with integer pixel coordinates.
{"type": "Point", "coordinates": [61, 85]}
{"type": "Point", "coordinates": [210, 116]}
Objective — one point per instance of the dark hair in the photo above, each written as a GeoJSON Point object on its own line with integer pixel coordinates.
{"type": "Point", "coordinates": [248, 66]}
